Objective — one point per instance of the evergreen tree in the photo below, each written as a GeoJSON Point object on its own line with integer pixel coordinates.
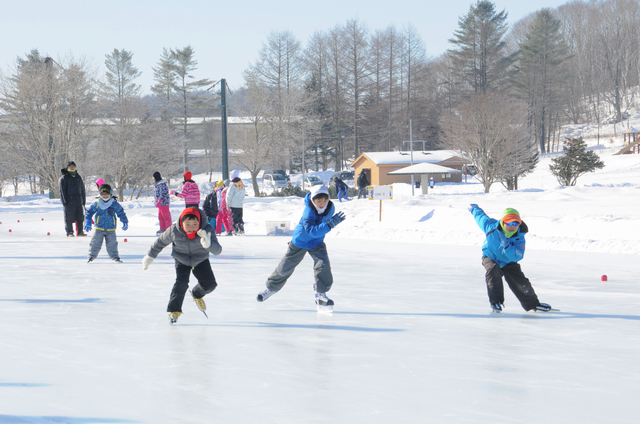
{"type": "Point", "coordinates": [481, 56]}
{"type": "Point", "coordinates": [575, 161]}
{"type": "Point", "coordinates": [190, 99]}
{"type": "Point", "coordinates": [164, 74]}
{"type": "Point", "coordinates": [540, 72]}
{"type": "Point", "coordinates": [120, 75]}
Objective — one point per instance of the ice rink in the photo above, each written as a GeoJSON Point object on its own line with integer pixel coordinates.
{"type": "Point", "coordinates": [411, 339]}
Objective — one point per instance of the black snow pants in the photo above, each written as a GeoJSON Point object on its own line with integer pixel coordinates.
{"type": "Point", "coordinates": [74, 213]}
{"type": "Point", "coordinates": [238, 221]}
{"type": "Point", "coordinates": [518, 283]}
{"type": "Point", "coordinates": [206, 283]}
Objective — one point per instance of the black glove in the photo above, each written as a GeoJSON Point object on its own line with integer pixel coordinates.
{"type": "Point", "coordinates": [336, 219]}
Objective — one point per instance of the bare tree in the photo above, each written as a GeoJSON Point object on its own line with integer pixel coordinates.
{"type": "Point", "coordinates": [49, 106]}
{"type": "Point", "coordinates": [489, 129]}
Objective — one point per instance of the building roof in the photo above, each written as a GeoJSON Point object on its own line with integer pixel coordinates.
{"type": "Point", "coordinates": [632, 131]}
{"type": "Point", "coordinates": [424, 168]}
{"type": "Point", "coordinates": [404, 158]}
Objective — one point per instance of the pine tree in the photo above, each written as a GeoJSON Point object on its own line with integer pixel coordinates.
{"type": "Point", "coordinates": [540, 72]}
{"type": "Point", "coordinates": [575, 161]}
{"type": "Point", "coordinates": [481, 56]}
{"type": "Point", "coordinates": [164, 74]}
{"type": "Point", "coordinates": [120, 75]}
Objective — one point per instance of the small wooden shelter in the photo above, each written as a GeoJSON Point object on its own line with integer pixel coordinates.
{"type": "Point", "coordinates": [379, 165]}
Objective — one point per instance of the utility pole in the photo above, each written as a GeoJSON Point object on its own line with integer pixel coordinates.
{"type": "Point", "coordinates": [225, 148]}
{"type": "Point", "coordinates": [48, 66]}
{"type": "Point", "coordinates": [411, 138]}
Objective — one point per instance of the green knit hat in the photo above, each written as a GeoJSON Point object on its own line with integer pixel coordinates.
{"type": "Point", "coordinates": [509, 215]}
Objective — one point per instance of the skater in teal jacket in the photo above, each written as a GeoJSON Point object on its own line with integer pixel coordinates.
{"type": "Point", "coordinates": [502, 249]}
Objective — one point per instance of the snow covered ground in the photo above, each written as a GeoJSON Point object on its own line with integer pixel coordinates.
{"type": "Point", "coordinates": [411, 339]}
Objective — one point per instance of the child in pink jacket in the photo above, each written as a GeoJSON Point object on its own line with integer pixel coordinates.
{"type": "Point", "coordinates": [224, 213]}
{"type": "Point", "coordinates": [190, 192]}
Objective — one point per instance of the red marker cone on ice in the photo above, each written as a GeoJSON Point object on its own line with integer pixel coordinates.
{"type": "Point", "coordinates": [42, 219]}
{"type": "Point", "coordinates": [604, 278]}
{"type": "Point", "coordinates": [18, 220]}
{"type": "Point", "coordinates": [48, 234]}
{"type": "Point", "coordinates": [125, 240]}
{"type": "Point", "coordinates": [9, 229]}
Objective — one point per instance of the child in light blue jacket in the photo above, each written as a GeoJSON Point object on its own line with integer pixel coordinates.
{"type": "Point", "coordinates": [105, 209]}
{"type": "Point", "coordinates": [502, 250]}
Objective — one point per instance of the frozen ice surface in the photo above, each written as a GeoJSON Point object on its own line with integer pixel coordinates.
{"type": "Point", "coordinates": [411, 338]}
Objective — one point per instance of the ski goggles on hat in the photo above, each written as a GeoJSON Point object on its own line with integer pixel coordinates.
{"type": "Point", "coordinates": [512, 224]}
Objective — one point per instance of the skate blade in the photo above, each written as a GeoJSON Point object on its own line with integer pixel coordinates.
{"type": "Point", "coordinates": [325, 309]}
{"type": "Point", "coordinates": [495, 313]}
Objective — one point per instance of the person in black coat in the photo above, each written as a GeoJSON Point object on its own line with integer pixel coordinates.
{"type": "Point", "coordinates": [211, 207]}
{"type": "Point", "coordinates": [73, 198]}
{"type": "Point", "coordinates": [363, 183]}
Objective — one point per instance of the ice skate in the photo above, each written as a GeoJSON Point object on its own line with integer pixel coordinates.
{"type": "Point", "coordinates": [90, 260]}
{"type": "Point", "coordinates": [324, 303]}
{"type": "Point", "coordinates": [118, 260]}
{"type": "Point", "coordinates": [82, 235]}
{"type": "Point", "coordinates": [265, 294]}
{"type": "Point", "coordinates": [496, 308]}
{"type": "Point", "coordinates": [173, 317]}
{"type": "Point", "coordinates": [544, 307]}
{"type": "Point", "coordinates": [70, 235]}
{"type": "Point", "coordinates": [200, 304]}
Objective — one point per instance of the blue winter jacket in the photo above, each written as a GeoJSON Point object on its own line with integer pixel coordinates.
{"type": "Point", "coordinates": [312, 228]}
{"type": "Point", "coordinates": [161, 193]}
{"type": "Point", "coordinates": [106, 218]}
{"type": "Point", "coordinates": [492, 247]}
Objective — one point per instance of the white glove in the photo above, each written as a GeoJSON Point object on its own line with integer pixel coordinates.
{"type": "Point", "coordinates": [146, 261]}
{"type": "Point", "coordinates": [205, 238]}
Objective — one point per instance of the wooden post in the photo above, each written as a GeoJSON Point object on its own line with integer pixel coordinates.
{"type": "Point", "coordinates": [380, 210]}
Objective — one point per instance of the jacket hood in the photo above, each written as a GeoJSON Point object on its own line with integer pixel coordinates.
{"type": "Point", "coordinates": [309, 203]}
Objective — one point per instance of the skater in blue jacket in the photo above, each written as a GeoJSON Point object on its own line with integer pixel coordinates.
{"type": "Point", "coordinates": [317, 220]}
{"type": "Point", "coordinates": [105, 209]}
{"type": "Point", "coordinates": [502, 250]}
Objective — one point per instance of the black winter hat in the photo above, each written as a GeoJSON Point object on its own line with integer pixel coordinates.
{"type": "Point", "coordinates": [105, 188]}
{"type": "Point", "coordinates": [71, 163]}
{"type": "Point", "coordinates": [156, 176]}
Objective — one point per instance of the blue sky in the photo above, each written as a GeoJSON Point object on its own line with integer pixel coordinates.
{"type": "Point", "coordinates": [226, 36]}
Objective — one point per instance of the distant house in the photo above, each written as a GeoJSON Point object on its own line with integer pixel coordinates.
{"type": "Point", "coordinates": [378, 164]}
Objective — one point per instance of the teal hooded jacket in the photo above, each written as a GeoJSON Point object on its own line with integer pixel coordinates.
{"type": "Point", "coordinates": [494, 245]}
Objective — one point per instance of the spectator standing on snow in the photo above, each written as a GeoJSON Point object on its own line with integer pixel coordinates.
{"type": "Point", "coordinates": [363, 183]}
{"type": "Point", "coordinates": [210, 207]}
{"type": "Point", "coordinates": [105, 209]}
{"type": "Point", "coordinates": [161, 194]}
{"type": "Point", "coordinates": [224, 220]}
{"type": "Point", "coordinates": [317, 220]}
{"type": "Point", "coordinates": [192, 240]}
{"type": "Point", "coordinates": [432, 182]}
{"type": "Point", "coordinates": [502, 250]}
{"type": "Point", "coordinates": [190, 192]}
{"type": "Point", "coordinates": [73, 198]}
{"type": "Point", "coordinates": [342, 189]}
{"type": "Point", "coordinates": [235, 201]}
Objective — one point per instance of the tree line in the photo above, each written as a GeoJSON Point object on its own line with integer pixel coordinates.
{"type": "Point", "coordinates": [499, 95]}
